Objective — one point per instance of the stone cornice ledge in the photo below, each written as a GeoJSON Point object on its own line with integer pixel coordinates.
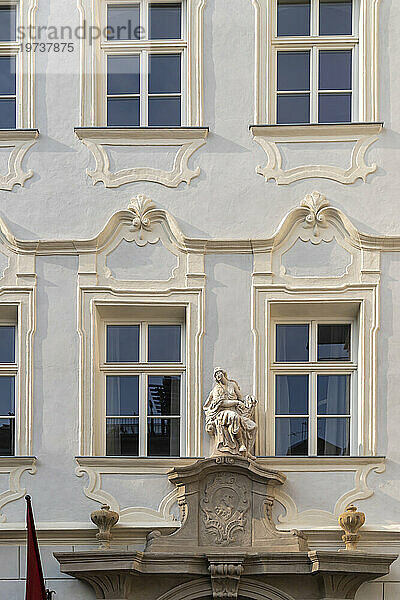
{"type": "Point", "coordinates": [187, 139]}
{"type": "Point", "coordinates": [19, 141]}
{"type": "Point", "coordinates": [362, 134]}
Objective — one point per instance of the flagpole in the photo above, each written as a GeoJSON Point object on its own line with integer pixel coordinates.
{"type": "Point", "coordinates": [35, 588]}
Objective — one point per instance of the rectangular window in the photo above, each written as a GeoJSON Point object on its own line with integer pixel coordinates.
{"type": "Point", "coordinates": [145, 54]}
{"type": "Point", "coordinates": [8, 373]}
{"type": "Point", "coordinates": [315, 377]}
{"type": "Point", "coordinates": [9, 53]}
{"type": "Point", "coordinates": [144, 378]}
{"type": "Point", "coordinates": [316, 48]}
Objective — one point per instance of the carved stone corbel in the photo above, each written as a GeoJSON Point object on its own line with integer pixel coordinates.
{"type": "Point", "coordinates": [225, 576]}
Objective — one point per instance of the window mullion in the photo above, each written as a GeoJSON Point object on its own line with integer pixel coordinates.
{"type": "Point", "coordinates": [143, 415]}
{"type": "Point", "coordinates": [314, 17]}
{"type": "Point", "coordinates": [314, 84]}
{"type": "Point", "coordinates": [312, 411]}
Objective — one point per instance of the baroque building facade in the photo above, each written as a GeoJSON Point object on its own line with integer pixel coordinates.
{"type": "Point", "coordinates": [187, 184]}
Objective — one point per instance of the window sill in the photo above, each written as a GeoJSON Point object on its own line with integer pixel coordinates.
{"type": "Point", "coordinates": [187, 139]}
{"type": "Point", "coordinates": [274, 138]}
{"type": "Point", "coordinates": [14, 467]}
{"type": "Point", "coordinates": [19, 140]}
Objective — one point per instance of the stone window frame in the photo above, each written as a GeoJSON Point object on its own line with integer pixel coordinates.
{"type": "Point", "coordinates": [142, 316]}
{"type": "Point", "coordinates": [368, 39]}
{"type": "Point", "coordinates": [92, 88]}
{"type": "Point", "coordinates": [312, 369]}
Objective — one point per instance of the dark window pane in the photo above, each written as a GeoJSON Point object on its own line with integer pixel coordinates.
{"type": "Point", "coordinates": [123, 75]}
{"type": "Point", "coordinates": [122, 395]}
{"type": "Point", "coordinates": [165, 111]}
{"type": "Point", "coordinates": [335, 70]}
{"type": "Point", "coordinates": [293, 17]}
{"type": "Point", "coordinates": [122, 437]}
{"type": "Point", "coordinates": [7, 344]}
{"type": "Point", "coordinates": [291, 437]}
{"type": "Point", "coordinates": [333, 437]}
{"type": "Point", "coordinates": [165, 21]}
{"type": "Point", "coordinates": [8, 20]}
{"type": "Point", "coordinates": [123, 22]}
{"type": "Point", "coordinates": [7, 437]}
{"type": "Point", "coordinates": [334, 108]}
{"type": "Point", "coordinates": [334, 342]}
{"type": "Point", "coordinates": [333, 394]}
{"type": "Point", "coordinates": [293, 71]}
{"type": "Point", "coordinates": [164, 73]}
{"type": "Point", "coordinates": [7, 75]}
{"type": "Point", "coordinates": [335, 17]}
{"type": "Point", "coordinates": [8, 116]}
{"type": "Point", "coordinates": [7, 396]}
{"type": "Point", "coordinates": [123, 343]}
{"type": "Point", "coordinates": [123, 112]}
{"type": "Point", "coordinates": [163, 437]}
{"type": "Point", "coordinates": [291, 395]}
{"type": "Point", "coordinates": [292, 343]}
{"type": "Point", "coordinates": [293, 108]}
{"type": "Point", "coordinates": [164, 343]}
{"type": "Point", "coordinates": [164, 395]}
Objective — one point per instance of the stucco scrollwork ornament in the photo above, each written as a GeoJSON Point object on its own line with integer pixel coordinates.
{"type": "Point", "coordinates": [315, 203]}
{"type": "Point", "coordinates": [229, 417]}
{"type": "Point", "coordinates": [224, 505]}
{"type": "Point", "coordinates": [104, 519]}
{"type": "Point", "coordinates": [142, 225]}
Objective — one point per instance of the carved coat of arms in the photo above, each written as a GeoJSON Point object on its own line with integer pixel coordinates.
{"type": "Point", "coordinates": [224, 507]}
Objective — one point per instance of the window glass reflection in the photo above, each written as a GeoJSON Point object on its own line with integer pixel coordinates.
{"type": "Point", "coordinates": [122, 437]}
{"type": "Point", "coordinates": [164, 343]}
{"type": "Point", "coordinates": [291, 435]}
{"type": "Point", "coordinates": [8, 23]}
{"type": "Point", "coordinates": [123, 22]}
{"type": "Point", "coordinates": [123, 74]}
{"type": "Point", "coordinates": [292, 343]}
{"type": "Point", "coordinates": [163, 437]}
{"type": "Point", "coordinates": [293, 17]}
{"type": "Point", "coordinates": [291, 395]}
{"type": "Point", "coordinates": [333, 437]}
{"type": "Point", "coordinates": [123, 343]}
{"type": "Point", "coordinates": [7, 436]}
{"type": "Point", "coordinates": [334, 342]}
{"type": "Point", "coordinates": [165, 21]}
{"type": "Point", "coordinates": [164, 73]}
{"type": "Point", "coordinates": [293, 71]}
{"type": "Point", "coordinates": [335, 17]}
{"type": "Point", "coordinates": [7, 344]}
{"type": "Point", "coordinates": [122, 395]}
{"type": "Point", "coordinates": [333, 394]}
{"type": "Point", "coordinates": [164, 395]}
{"type": "Point", "coordinates": [334, 108]}
{"type": "Point", "coordinates": [335, 70]}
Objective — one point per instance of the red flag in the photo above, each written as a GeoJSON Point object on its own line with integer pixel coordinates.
{"type": "Point", "coordinates": [35, 589]}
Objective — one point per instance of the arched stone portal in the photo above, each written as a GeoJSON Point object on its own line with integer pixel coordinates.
{"type": "Point", "coordinates": [200, 589]}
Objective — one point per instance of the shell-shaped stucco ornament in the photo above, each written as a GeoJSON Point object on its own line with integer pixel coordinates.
{"type": "Point", "coordinates": [104, 519]}
{"type": "Point", "coordinates": [315, 220]}
{"type": "Point", "coordinates": [351, 521]}
{"type": "Point", "coordinates": [142, 207]}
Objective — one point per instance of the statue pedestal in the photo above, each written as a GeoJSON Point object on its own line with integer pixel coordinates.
{"type": "Point", "coordinates": [228, 546]}
{"type": "Point", "coordinates": [226, 504]}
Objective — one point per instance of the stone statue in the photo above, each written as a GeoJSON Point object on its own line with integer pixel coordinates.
{"type": "Point", "coordinates": [230, 418]}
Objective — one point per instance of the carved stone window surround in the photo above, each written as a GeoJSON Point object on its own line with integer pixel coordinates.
{"type": "Point", "coordinates": [368, 39]}
{"type": "Point", "coordinates": [92, 94]}
{"type": "Point", "coordinates": [19, 141]}
{"type": "Point", "coordinates": [270, 136]}
{"type": "Point", "coordinates": [186, 139]}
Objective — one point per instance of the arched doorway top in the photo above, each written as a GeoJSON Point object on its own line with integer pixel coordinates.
{"type": "Point", "coordinates": [249, 589]}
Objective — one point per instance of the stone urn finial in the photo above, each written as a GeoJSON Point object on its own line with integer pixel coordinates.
{"type": "Point", "coordinates": [104, 519]}
{"type": "Point", "coordinates": [351, 521]}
